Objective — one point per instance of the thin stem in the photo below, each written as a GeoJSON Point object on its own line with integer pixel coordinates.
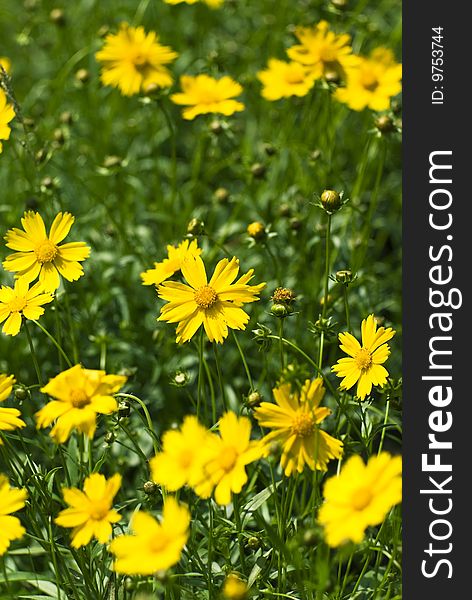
{"type": "Point", "coordinates": [46, 332]}
{"type": "Point", "coordinates": [346, 306]}
{"type": "Point", "coordinates": [325, 297]}
{"type": "Point", "coordinates": [243, 358]}
{"type": "Point", "coordinates": [147, 416]}
{"type": "Point", "coordinates": [237, 518]}
{"type": "Point", "coordinates": [220, 377]}
{"type": "Point", "coordinates": [200, 373]}
{"type": "Point", "coordinates": [281, 345]}
{"type": "Point", "coordinates": [33, 355]}
{"type": "Point", "coordinates": [382, 436]}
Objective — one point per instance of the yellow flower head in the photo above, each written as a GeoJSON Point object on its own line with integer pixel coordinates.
{"type": "Point", "coordinates": [327, 54]}
{"type": "Point", "coordinates": [216, 303]}
{"type": "Point", "coordinates": [372, 82]}
{"type": "Point", "coordinates": [90, 511]}
{"type": "Point", "coordinates": [154, 546]}
{"type": "Point", "coordinates": [204, 94]}
{"type": "Point", "coordinates": [21, 301]}
{"type": "Point", "coordinates": [7, 114]}
{"type": "Point", "coordinates": [234, 588]}
{"type": "Point", "coordinates": [294, 421]}
{"type": "Point", "coordinates": [5, 63]}
{"type": "Point", "coordinates": [181, 460]}
{"type": "Point", "coordinates": [173, 263]}
{"type": "Point", "coordinates": [11, 500]}
{"type": "Point", "coordinates": [6, 385]}
{"type": "Point", "coordinates": [364, 365]}
{"type": "Point", "coordinates": [210, 3]}
{"type": "Point", "coordinates": [80, 394]}
{"type": "Point", "coordinates": [284, 79]}
{"type": "Point", "coordinates": [359, 497]}
{"type": "Point", "coordinates": [228, 454]}
{"type": "Point", "coordinates": [9, 417]}
{"type": "Point", "coordinates": [40, 255]}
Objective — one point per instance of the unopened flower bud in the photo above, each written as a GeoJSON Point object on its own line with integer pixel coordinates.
{"type": "Point", "coordinates": [254, 543]}
{"type": "Point", "coordinates": [216, 127]}
{"type": "Point", "coordinates": [295, 224]}
{"type": "Point", "coordinates": [332, 76]}
{"type": "Point", "coordinates": [258, 170]}
{"type": "Point", "coordinates": [180, 378]}
{"type": "Point", "coordinates": [109, 437]}
{"type": "Point", "coordinates": [310, 537]}
{"type": "Point", "coordinates": [195, 227]}
{"type": "Point", "coordinates": [112, 161]}
{"type": "Point", "coordinates": [66, 118]}
{"type": "Point", "coordinates": [345, 276]}
{"type": "Point", "coordinates": [21, 393]}
{"type": "Point", "coordinates": [150, 488]}
{"type": "Point", "coordinates": [385, 124]}
{"type": "Point", "coordinates": [58, 136]}
{"type": "Point", "coordinates": [270, 150]}
{"type": "Point", "coordinates": [124, 409]}
{"type": "Point", "coordinates": [57, 16]}
{"type": "Point", "coordinates": [82, 75]}
{"type": "Point", "coordinates": [47, 183]}
{"type": "Point", "coordinates": [331, 201]}
{"type": "Point", "coordinates": [285, 209]}
{"type": "Point", "coordinates": [221, 195]}
{"type": "Point", "coordinates": [340, 4]}
{"type": "Point", "coordinates": [254, 399]}
{"type": "Point", "coordinates": [280, 310]}
{"type": "Point", "coordinates": [256, 230]}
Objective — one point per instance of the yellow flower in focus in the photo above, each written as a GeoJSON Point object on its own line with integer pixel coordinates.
{"type": "Point", "coordinates": [228, 454]}
{"type": "Point", "coordinates": [364, 365]}
{"type": "Point", "coordinates": [234, 588]}
{"type": "Point", "coordinates": [294, 421]}
{"type": "Point", "coordinates": [327, 54]}
{"type": "Point", "coordinates": [40, 255]}
{"type": "Point", "coordinates": [359, 497]}
{"type": "Point", "coordinates": [154, 546]}
{"type": "Point", "coordinates": [6, 385]}
{"type": "Point", "coordinates": [134, 60]}
{"type": "Point", "coordinates": [9, 417]}
{"type": "Point", "coordinates": [7, 114]}
{"type": "Point", "coordinates": [11, 500]}
{"type": "Point", "coordinates": [90, 511]}
{"type": "Point", "coordinates": [216, 303]}
{"type": "Point", "coordinates": [372, 82]}
{"type": "Point", "coordinates": [173, 263]}
{"type": "Point", "coordinates": [284, 79]}
{"type": "Point", "coordinates": [21, 301]}
{"type": "Point", "coordinates": [80, 394]}
{"type": "Point", "coordinates": [181, 460]}
{"type": "Point", "coordinates": [204, 94]}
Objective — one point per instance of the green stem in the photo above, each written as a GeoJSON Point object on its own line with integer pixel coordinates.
{"type": "Point", "coordinates": [237, 518]}
{"type": "Point", "coordinates": [33, 355]}
{"type": "Point", "coordinates": [243, 358]}
{"type": "Point", "coordinates": [382, 436]}
{"type": "Point", "coordinates": [53, 340]}
{"type": "Point", "coordinates": [325, 297]}
{"type": "Point", "coordinates": [281, 344]}
{"type": "Point", "coordinates": [173, 143]}
{"type": "Point", "coordinates": [220, 377]}
{"type": "Point", "coordinates": [346, 306]}
{"type": "Point", "coordinates": [200, 374]}
{"type": "Point", "coordinates": [147, 417]}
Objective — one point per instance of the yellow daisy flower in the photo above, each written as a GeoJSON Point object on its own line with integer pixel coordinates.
{"type": "Point", "coordinates": [181, 460]}
{"type": "Point", "coordinates": [21, 301]}
{"type": "Point", "coordinates": [284, 79]}
{"type": "Point", "coordinates": [295, 420]}
{"type": "Point", "coordinates": [7, 114]}
{"type": "Point", "coordinates": [360, 496]}
{"type": "Point", "coordinates": [210, 3]}
{"type": "Point", "coordinates": [173, 263]}
{"type": "Point", "coordinates": [134, 60]}
{"type": "Point", "coordinates": [154, 546]}
{"type": "Point", "coordinates": [328, 55]}
{"type": "Point", "coordinates": [228, 454]}
{"type": "Point", "coordinates": [215, 304]}
{"type": "Point", "coordinates": [5, 63]}
{"type": "Point", "coordinates": [364, 365]}
{"type": "Point", "coordinates": [234, 588]}
{"type": "Point", "coordinates": [6, 385]}
{"type": "Point", "coordinates": [90, 511]}
{"type": "Point", "coordinates": [9, 417]}
{"type": "Point", "coordinates": [204, 94]}
{"type": "Point", "coordinates": [372, 82]}
{"type": "Point", "coordinates": [80, 394]}
{"type": "Point", "coordinates": [11, 500]}
{"type": "Point", "coordinates": [40, 255]}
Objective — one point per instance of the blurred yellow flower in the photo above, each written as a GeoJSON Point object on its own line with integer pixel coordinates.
{"type": "Point", "coordinates": [80, 394]}
{"type": "Point", "coordinates": [181, 460]}
{"type": "Point", "coordinates": [215, 304]}
{"type": "Point", "coordinates": [228, 454]}
{"type": "Point", "coordinates": [234, 588]}
{"type": "Point", "coordinates": [327, 54]}
{"type": "Point", "coordinates": [5, 63]}
{"type": "Point", "coordinates": [7, 113]}
{"type": "Point", "coordinates": [210, 3]}
{"type": "Point", "coordinates": [173, 263]}
{"type": "Point", "coordinates": [364, 365]}
{"type": "Point", "coordinates": [11, 500]}
{"type": "Point", "coordinates": [294, 421]}
{"type": "Point", "coordinates": [90, 511]}
{"type": "Point", "coordinates": [21, 301]}
{"type": "Point", "coordinates": [9, 417]}
{"type": "Point", "coordinates": [154, 546]}
{"type": "Point", "coordinates": [359, 497]}
{"type": "Point", "coordinates": [134, 60]}
{"type": "Point", "coordinates": [6, 385]}
{"type": "Point", "coordinates": [284, 79]}
{"type": "Point", "coordinates": [40, 255]}
{"type": "Point", "coordinates": [372, 82]}
{"type": "Point", "coordinates": [204, 94]}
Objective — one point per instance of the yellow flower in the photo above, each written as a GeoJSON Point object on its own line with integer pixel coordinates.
{"type": "Point", "coordinates": [154, 546]}
{"type": "Point", "coordinates": [284, 79]}
{"type": "Point", "coordinates": [210, 3]}
{"type": "Point", "coordinates": [80, 394]}
{"type": "Point", "coordinates": [7, 113]}
{"type": "Point", "coordinates": [9, 417]}
{"type": "Point", "coordinates": [360, 496]}
{"type": "Point", "coordinates": [228, 454]}
{"type": "Point", "coordinates": [173, 263]}
{"type": "Point", "coordinates": [90, 511]}
{"type": "Point", "coordinates": [295, 420]}
{"type": "Point", "coordinates": [215, 304]}
{"type": "Point", "coordinates": [21, 301]}
{"type": "Point", "coordinates": [6, 385]}
{"type": "Point", "coordinates": [134, 60]}
{"type": "Point", "coordinates": [327, 54]}
{"type": "Point", "coordinates": [5, 63]}
{"type": "Point", "coordinates": [181, 460]}
{"type": "Point", "coordinates": [204, 95]}
{"type": "Point", "coordinates": [234, 588]}
{"type": "Point", "coordinates": [40, 255]}
{"type": "Point", "coordinates": [364, 365]}
{"type": "Point", "coordinates": [11, 500]}
{"type": "Point", "coordinates": [372, 82]}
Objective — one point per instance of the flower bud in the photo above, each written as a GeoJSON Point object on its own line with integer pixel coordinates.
{"type": "Point", "coordinates": [385, 124]}
{"type": "Point", "coordinates": [270, 150]}
{"type": "Point", "coordinates": [254, 543]}
{"type": "Point", "coordinates": [57, 16]}
{"type": "Point", "coordinates": [112, 161]}
{"type": "Point", "coordinates": [280, 310]}
{"type": "Point", "coordinates": [150, 488]}
{"type": "Point", "coordinates": [216, 127]}
{"type": "Point", "coordinates": [58, 136]}
{"type": "Point", "coordinates": [109, 438]}
{"type": "Point", "coordinates": [340, 4]}
{"type": "Point", "coordinates": [331, 201]}
{"type": "Point", "coordinates": [345, 277]}
{"type": "Point", "coordinates": [66, 118]}
{"type": "Point", "coordinates": [254, 399]}
{"type": "Point", "coordinates": [21, 393]}
{"type": "Point", "coordinates": [195, 227]}
{"type": "Point", "coordinates": [283, 296]}
{"type": "Point", "coordinates": [258, 170]}
{"type": "Point", "coordinates": [310, 537]}
{"type": "Point", "coordinates": [180, 379]}
{"type": "Point", "coordinates": [82, 75]}
{"type": "Point", "coordinates": [124, 409]}
{"type": "Point", "coordinates": [221, 195]}
{"type": "Point", "coordinates": [48, 183]}
{"type": "Point", "coordinates": [256, 230]}
{"type": "Point", "coordinates": [295, 224]}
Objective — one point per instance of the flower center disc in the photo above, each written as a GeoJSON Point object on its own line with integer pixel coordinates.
{"type": "Point", "coordinates": [99, 510]}
{"type": "Point", "coordinates": [45, 251]}
{"type": "Point", "coordinates": [79, 398]}
{"type": "Point", "coordinates": [303, 425]}
{"type": "Point", "coordinates": [369, 82]}
{"type": "Point", "coordinates": [205, 296]}
{"type": "Point", "coordinates": [228, 459]}
{"type": "Point", "coordinates": [17, 304]}
{"type": "Point", "coordinates": [294, 76]}
{"type": "Point", "coordinates": [363, 359]}
{"type": "Point", "coordinates": [361, 498]}
{"type": "Point", "coordinates": [185, 458]}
